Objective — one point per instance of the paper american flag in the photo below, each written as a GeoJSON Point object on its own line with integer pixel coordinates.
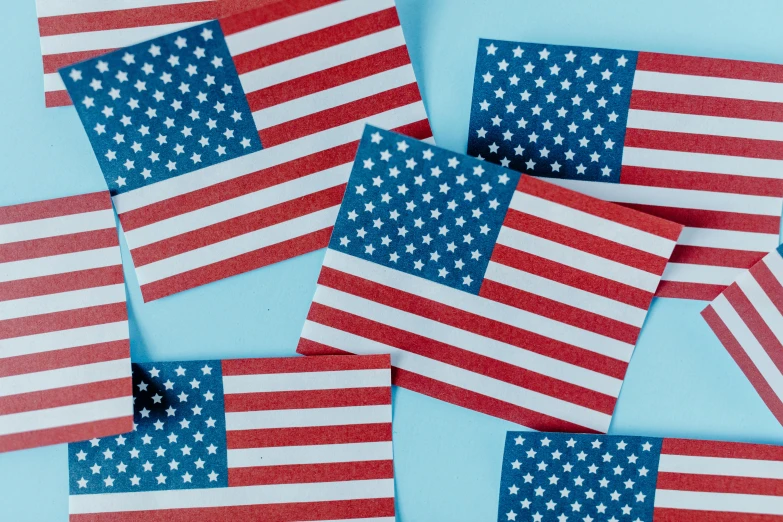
{"type": "Point", "coordinates": [255, 439]}
{"type": "Point", "coordinates": [178, 123]}
{"type": "Point", "coordinates": [555, 477]}
{"type": "Point", "coordinates": [503, 294]}
{"type": "Point", "coordinates": [64, 350]}
{"type": "Point", "coordinates": [694, 140]}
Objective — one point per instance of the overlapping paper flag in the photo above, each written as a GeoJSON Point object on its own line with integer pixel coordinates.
{"type": "Point", "coordinates": [237, 134]}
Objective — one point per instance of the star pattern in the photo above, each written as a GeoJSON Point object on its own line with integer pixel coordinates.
{"type": "Point", "coordinates": [178, 439]}
{"type": "Point", "coordinates": [550, 110]}
{"type": "Point", "coordinates": [163, 108]}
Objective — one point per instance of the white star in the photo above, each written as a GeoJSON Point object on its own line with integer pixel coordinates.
{"type": "Point", "coordinates": [491, 49]}
{"type": "Point", "coordinates": [595, 59]}
{"type": "Point", "coordinates": [135, 479]}
{"type": "Point", "coordinates": [82, 482]}
{"type": "Point", "coordinates": [621, 61]}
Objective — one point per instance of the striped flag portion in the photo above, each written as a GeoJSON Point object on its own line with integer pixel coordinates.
{"type": "Point", "coordinates": [748, 319]}
{"type": "Point", "coordinates": [64, 349]}
{"type": "Point", "coordinates": [694, 140]}
{"type": "Point", "coordinates": [255, 439]}
{"type": "Point", "coordinates": [506, 295]}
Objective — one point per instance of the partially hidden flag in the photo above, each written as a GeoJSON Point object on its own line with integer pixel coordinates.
{"type": "Point", "coordinates": [497, 292]}
{"type": "Point", "coordinates": [747, 318]}
{"type": "Point", "coordinates": [556, 477]}
{"type": "Point", "coordinates": [65, 367]}
{"type": "Point", "coordinates": [178, 125]}
{"type": "Point", "coordinates": [257, 439]}
{"type": "Point", "coordinates": [694, 140]}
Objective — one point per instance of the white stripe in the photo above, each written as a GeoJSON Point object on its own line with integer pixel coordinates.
{"type": "Point", "coordinates": [276, 382]}
{"type": "Point", "coordinates": [237, 246]}
{"type": "Point", "coordinates": [373, 519]}
{"type": "Point", "coordinates": [728, 239]}
{"type": "Point", "coordinates": [347, 415]}
{"type": "Point", "coordinates": [566, 294]}
{"type": "Point", "coordinates": [57, 226]}
{"type": "Point", "coordinates": [704, 274]}
{"type": "Point", "coordinates": [108, 39]}
{"type": "Point", "coordinates": [568, 256]}
{"type": "Point", "coordinates": [239, 206]}
{"type": "Point", "coordinates": [334, 97]}
{"type": "Point", "coordinates": [707, 86]}
{"type": "Point", "coordinates": [323, 59]}
{"type": "Point", "coordinates": [721, 466]}
{"type": "Point", "coordinates": [69, 7]}
{"type": "Point", "coordinates": [482, 307]}
{"type": "Point", "coordinates": [460, 378]}
{"type": "Point", "coordinates": [697, 162]}
{"type": "Point", "coordinates": [61, 339]}
{"type": "Point", "coordinates": [705, 125]}
{"type": "Point", "coordinates": [303, 23]}
{"type": "Point", "coordinates": [591, 224]}
{"type": "Point", "coordinates": [60, 264]}
{"type": "Point", "coordinates": [61, 377]}
{"type": "Point", "coordinates": [45, 304]}
{"type": "Point", "coordinates": [774, 262]}
{"type": "Point", "coordinates": [321, 454]}
{"type": "Point", "coordinates": [53, 82]}
{"type": "Point", "coordinates": [67, 415]}
{"type": "Point", "coordinates": [266, 158]}
{"type": "Point", "coordinates": [751, 346]}
{"type": "Point", "coordinates": [719, 502]}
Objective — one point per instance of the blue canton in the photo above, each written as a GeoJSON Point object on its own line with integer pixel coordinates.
{"type": "Point", "coordinates": [178, 439]}
{"type": "Point", "coordinates": [551, 110]}
{"type": "Point", "coordinates": [562, 477]}
{"type": "Point", "coordinates": [422, 209]}
{"type": "Point", "coordinates": [163, 108]}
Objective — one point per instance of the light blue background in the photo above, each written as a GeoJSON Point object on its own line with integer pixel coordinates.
{"type": "Point", "coordinates": [680, 383]}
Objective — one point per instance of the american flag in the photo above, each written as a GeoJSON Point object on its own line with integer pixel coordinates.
{"type": "Point", "coordinates": [197, 200]}
{"type": "Point", "coordinates": [64, 350]}
{"type": "Point", "coordinates": [256, 439]}
{"type": "Point", "coordinates": [499, 293]}
{"type": "Point", "coordinates": [693, 140]}
{"type": "Point", "coordinates": [748, 320]}
{"type": "Point", "coordinates": [556, 477]}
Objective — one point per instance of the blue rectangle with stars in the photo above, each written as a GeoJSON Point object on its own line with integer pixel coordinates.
{"type": "Point", "coordinates": [557, 477]}
{"type": "Point", "coordinates": [422, 209]}
{"type": "Point", "coordinates": [163, 108]}
{"type": "Point", "coordinates": [551, 110]}
{"type": "Point", "coordinates": [178, 439]}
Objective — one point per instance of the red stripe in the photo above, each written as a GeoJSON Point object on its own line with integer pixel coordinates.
{"type": "Point", "coordinates": [341, 115]}
{"type": "Point", "coordinates": [231, 7]}
{"type": "Point", "coordinates": [437, 351]}
{"type": "Point", "coordinates": [703, 144]}
{"type": "Point", "coordinates": [571, 276]}
{"type": "Point", "coordinates": [279, 437]}
{"type": "Point", "coordinates": [585, 242]}
{"type": "Point", "coordinates": [479, 325]}
{"type": "Point", "coordinates": [691, 515]}
{"type": "Point", "coordinates": [52, 63]}
{"type": "Point", "coordinates": [597, 207]}
{"type": "Point", "coordinates": [328, 78]}
{"type": "Point", "coordinates": [125, 18]}
{"type": "Point", "coordinates": [769, 283]}
{"type": "Point", "coordinates": [730, 450]}
{"type": "Point", "coordinates": [308, 399]}
{"type": "Point", "coordinates": [56, 321]}
{"type": "Point", "coordinates": [733, 346]}
{"type": "Point", "coordinates": [302, 364]}
{"type": "Point", "coordinates": [65, 244]}
{"type": "Point", "coordinates": [719, 484]}
{"type": "Point", "coordinates": [679, 290]}
{"type": "Point", "coordinates": [55, 208]}
{"type": "Point", "coordinates": [712, 218]}
{"type": "Point", "coordinates": [716, 67]}
{"type": "Point", "coordinates": [263, 15]}
{"type": "Point", "coordinates": [306, 473]}
{"type": "Point", "coordinates": [236, 265]}
{"type": "Point", "coordinates": [706, 106]}
{"type": "Point", "coordinates": [683, 179]}
{"type": "Point", "coordinates": [45, 285]}
{"type": "Point", "coordinates": [693, 255]}
{"type": "Point", "coordinates": [73, 433]}
{"type": "Point", "coordinates": [288, 512]}
{"type": "Point", "coordinates": [64, 358]}
{"type": "Point", "coordinates": [316, 40]}
{"type": "Point", "coordinates": [57, 99]}
{"type": "Point", "coordinates": [238, 226]}
{"type": "Point", "coordinates": [560, 312]}
{"type": "Point", "coordinates": [66, 396]}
